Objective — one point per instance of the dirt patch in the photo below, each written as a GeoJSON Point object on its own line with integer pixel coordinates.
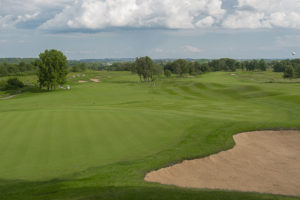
{"type": "Point", "coordinates": [81, 81]}
{"type": "Point", "coordinates": [261, 161]}
{"type": "Point", "coordinates": [95, 80]}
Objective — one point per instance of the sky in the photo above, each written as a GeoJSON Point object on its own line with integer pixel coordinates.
{"type": "Point", "coordinates": [83, 29]}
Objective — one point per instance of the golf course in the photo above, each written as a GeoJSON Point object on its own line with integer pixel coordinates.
{"type": "Point", "coordinates": [99, 139]}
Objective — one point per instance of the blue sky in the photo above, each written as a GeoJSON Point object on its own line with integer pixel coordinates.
{"type": "Point", "coordinates": [157, 28]}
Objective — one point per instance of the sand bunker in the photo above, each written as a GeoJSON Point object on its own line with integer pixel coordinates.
{"type": "Point", "coordinates": [262, 161]}
{"type": "Point", "coordinates": [81, 81]}
{"type": "Point", "coordinates": [95, 80]}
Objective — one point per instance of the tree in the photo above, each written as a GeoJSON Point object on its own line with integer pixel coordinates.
{"type": "Point", "coordinates": [52, 69]}
{"type": "Point", "coordinates": [191, 68]}
{"type": "Point", "coordinates": [262, 65]}
{"type": "Point", "coordinates": [181, 66]}
{"type": "Point", "coordinates": [288, 72]}
{"type": "Point", "coordinates": [297, 70]}
{"type": "Point", "coordinates": [144, 67]}
{"type": "Point", "coordinates": [277, 66]}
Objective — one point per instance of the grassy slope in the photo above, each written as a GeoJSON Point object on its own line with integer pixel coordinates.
{"type": "Point", "coordinates": [122, 129]}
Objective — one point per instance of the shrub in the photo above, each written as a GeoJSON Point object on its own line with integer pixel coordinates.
{"type": "Point", "coordinates": [14, 84]}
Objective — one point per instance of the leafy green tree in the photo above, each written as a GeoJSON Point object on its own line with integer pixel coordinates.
{"type": "Point", "coordinates": [262, 65]}
{"type": "Point", "coordinates": [181, 66]}
{"type": "Point", "coordinates": [52, 69]}
{"type": "Point", "coordinates": [278, 66]}
{"type": "Point", "coordinates": [144, 67]}
{"type": "Point", "coordinates": [230, 64]}
{"type": "Point", "coordinates": [288, 72]}
{"type": "Point", "coordinates": [191, 68]}
{"type": "Point", "coordinates": [156, 72]}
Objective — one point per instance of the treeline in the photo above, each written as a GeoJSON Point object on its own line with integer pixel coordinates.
{"type": "Point", "coordinates": [16, 60]}
{"type": "Point", "coordinates": [116, 66]}
{"type": "Point", "coordinates": [147, 69]}
{"type": "Point", "coordinates": [7, 69]}
{"type": "Point", "coordinates": [290, 68]}
{"type": "Point", "coordinates": [193, 67]}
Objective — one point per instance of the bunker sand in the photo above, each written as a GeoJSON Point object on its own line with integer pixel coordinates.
{"type": "Point", "coordinates": [81, 81]}
{"type": "Point", "coordinates": [261, 161]}
{"type": "Point", "coordinates": [95, 80]}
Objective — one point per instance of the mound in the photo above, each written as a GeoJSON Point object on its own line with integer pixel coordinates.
{"type": "Point", "coordinates": [262, 161]}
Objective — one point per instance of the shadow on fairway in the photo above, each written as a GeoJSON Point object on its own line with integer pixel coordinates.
{"type": "Point", "coordinates": [56, 189]}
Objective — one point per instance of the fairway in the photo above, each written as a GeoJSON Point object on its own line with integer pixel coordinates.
{"type": "Point", "coordinates": [99, 139]}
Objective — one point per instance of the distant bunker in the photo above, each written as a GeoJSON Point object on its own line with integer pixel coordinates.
{"type": "Point", "coordinates": [261, 161]}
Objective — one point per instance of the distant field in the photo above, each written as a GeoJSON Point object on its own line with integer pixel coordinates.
{"type": "Point", "coordinates": [98, 140]}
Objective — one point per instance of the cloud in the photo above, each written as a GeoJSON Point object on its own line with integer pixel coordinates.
{"type": "Point", "coordinates": [191, 49]}
{"type": "Point", "coordinates": [158, 50]}
{"type": "Point", "coordinates": [253, 14]}
{"type": "Point", "coordinates": [96, 15]}
{"type": "Point", "coordinates": [171, 14]}
{"type": "Point", "coordinates": [10, 21]}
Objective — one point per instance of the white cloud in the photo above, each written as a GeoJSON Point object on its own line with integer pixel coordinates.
{"type": "Point", "coordinates": [246, 19]}
{"type": "Point", "coordinates": [158, 50]}
{"type": "Point", "coordinates": [206, 22]}
{"type": "Point", "coordinates": [21, 7]}
{"type": "Point", "coordinates": [9, 21]}
{"type": "Point", "coordinates": [169, 14]}
{"type": "Point", "coordinates": [191, 49]}
{"type": "Point", "coordinates": [265, 14]}
{"type": "Point", "coordinates": [97, 14]}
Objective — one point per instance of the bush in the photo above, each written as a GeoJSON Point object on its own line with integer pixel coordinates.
{"type": "Point", "coordinates": [14, 84]}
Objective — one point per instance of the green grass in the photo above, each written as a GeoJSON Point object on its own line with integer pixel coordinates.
{"type": "Point", "coordinates": [98, 140]}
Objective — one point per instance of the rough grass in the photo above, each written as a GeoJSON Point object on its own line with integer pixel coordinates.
{"type": "Point", "coordinates": [98, 140]}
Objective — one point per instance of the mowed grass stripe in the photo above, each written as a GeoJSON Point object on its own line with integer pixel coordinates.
{"type": "Point", "coordinates": [17, 143]}
{"type": "Point", "coordinates": [64, 142]}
